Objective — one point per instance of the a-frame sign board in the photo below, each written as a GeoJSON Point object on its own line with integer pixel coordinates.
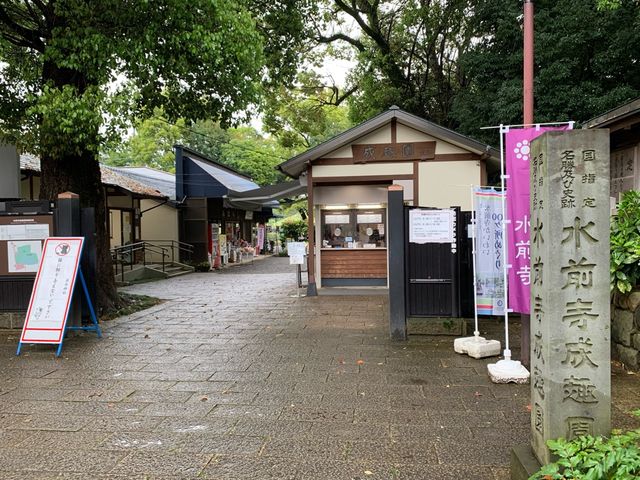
{"type": "Point", "coordinates": [51, 298]}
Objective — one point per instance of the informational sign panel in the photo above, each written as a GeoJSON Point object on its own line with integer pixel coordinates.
{"type": "Point", "coordinates": [296, 251]}
{"type": "Point", "coordinates": [431, 226]}
{"type": "Point", "coordinates": [21, 238]}
{"type": "Point", "coordinates": [52, 290]}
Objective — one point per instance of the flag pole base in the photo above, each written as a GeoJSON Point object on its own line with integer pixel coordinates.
{"type": "Point", "coordinates": [508, 371]}
{"type": "Point", "coordinates": [477, 347]}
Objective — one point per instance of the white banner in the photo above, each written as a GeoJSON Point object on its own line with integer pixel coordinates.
{"type": "Point", "coordinates": [489, 257]}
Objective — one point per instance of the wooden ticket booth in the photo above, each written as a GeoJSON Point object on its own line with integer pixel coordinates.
{"type": "Point", "coordinates": [347, 178]}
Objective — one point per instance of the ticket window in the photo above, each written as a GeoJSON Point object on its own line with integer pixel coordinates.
{"type": "Point", "coordinates": [354, 228]}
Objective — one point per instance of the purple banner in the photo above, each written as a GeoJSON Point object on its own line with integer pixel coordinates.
{"type": "Point", "coordinates": [517, 150]}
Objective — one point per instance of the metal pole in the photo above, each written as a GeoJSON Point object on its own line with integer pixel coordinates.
{"type": "Point", "coordinates": [528, 62]}
{"type": "Point", "coordinates": [507, 351]}
{"type": "Point", "coordinates": [476, 331]}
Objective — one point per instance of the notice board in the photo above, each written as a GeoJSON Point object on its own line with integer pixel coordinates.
{"type": "Point", "coordinates": [52, 290]}
{"type": "Point", "coordinates": [21, 238]}
{"type": "Point", "coordinates": [431, 226]}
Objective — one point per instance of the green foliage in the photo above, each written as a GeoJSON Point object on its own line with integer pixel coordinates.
{"type": "Point", "coordinates": [306, 114]}
{"type": "Point", "coordinates": [625, 244]}
{"type": "Point", "coordinates": [594, 458]}
{"type": "Point", "coordinates": [151, 145]}
{"type": "Point", "coordinates": [460, 63]}
{"type": "Point", "coordinates": [253, 154]}
{"type": "Point", "coordinates": [242, 148]}
{"type": "Point", "coordinates": [585, 63]}
{"type": "Point", "coordinates": [293, 228]}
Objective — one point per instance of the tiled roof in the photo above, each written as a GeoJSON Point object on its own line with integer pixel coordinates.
{"type": "Point", "coordinates": [109, 177]}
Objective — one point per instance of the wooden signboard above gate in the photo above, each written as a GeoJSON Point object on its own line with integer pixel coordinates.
{"type": "Point", "coordinates": [389, 152]}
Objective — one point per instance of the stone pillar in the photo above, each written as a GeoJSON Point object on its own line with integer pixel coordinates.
{"type": "Point", "coordinates": [570, 326]}
{"type": "Point", "coordinates": [395, 252]}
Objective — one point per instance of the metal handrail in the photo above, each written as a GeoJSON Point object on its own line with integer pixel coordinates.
{"type": "Point", "coordinates": [118, 253]}
{"type": "Point", "coordinates": [187, 248]}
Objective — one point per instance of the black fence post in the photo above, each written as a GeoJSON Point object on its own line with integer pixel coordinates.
{"type": "Point", "coordinates": [395, 250]}
{"type": "Point", "coordinates": [67, 224]}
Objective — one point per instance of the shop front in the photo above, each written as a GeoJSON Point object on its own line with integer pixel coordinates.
{"type": "Point", "coordinates": [347, 180]}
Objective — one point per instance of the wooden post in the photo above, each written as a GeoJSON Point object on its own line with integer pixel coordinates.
{"type": "Point", "coordinates": [395, 251]}
{"type": "Point", "coordinates": [312, 290]}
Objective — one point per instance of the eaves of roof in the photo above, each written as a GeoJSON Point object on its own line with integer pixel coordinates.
{"type": "Point", "coordinates": [296, 165]}
{"type": "Point", "coordinates": [614, 115]}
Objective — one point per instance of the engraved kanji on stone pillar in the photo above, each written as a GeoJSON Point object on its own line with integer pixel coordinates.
{"type": "Point", "coordinates": [570, 329]}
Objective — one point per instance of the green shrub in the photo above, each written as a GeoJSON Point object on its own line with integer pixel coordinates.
{"type": "Point", "coordinates": [293, 229]}
{"type": "Point", "coordinates": [594, 458]}
{"type": "Point", "coordinates": [625, 244]}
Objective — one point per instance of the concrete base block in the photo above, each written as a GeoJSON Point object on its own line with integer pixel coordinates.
{"type": "Point", "coordinates": [523, 463]}
{"type": "Point", "coordinates": [508, 371]}
{"type": "Point", "coordinates": [460, 344]}
{"type": "Point", "coordinates": [488, 348]}
{"type": "Point", "coordinates": [477, 347]}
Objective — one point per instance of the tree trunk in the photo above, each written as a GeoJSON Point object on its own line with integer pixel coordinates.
{"type": "Point", "coordinates": [79, 173]}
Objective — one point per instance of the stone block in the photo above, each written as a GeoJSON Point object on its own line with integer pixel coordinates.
{"type": "Point", "coordinates": [11, 320]}
{"type": "Point", "coordinates": [627, 355]}
{"type": "Point", "coordinates": [635, 341]}
{"type": "Point", "coordinates": [637, 318]}
{"type": "Point", "coordinates": [633, 301]}
{"type": "Point", "coordinates": [622, 326]}
{"type": "Point", "coordinates": [5, 320]}
{"type": "Point", "coordinates": [523, 462]}
{"type": "Point", "coordinates": [437, 326]}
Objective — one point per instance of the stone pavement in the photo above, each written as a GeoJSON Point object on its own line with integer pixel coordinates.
{"type": "Point", "coordinates": [232, 379]}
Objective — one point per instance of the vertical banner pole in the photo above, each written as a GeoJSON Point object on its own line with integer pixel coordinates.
{"type": "Point", "coordinates": [507, 351]}
{"type": "Point", "coordinates": [476, 346]}
{"type": "Point", "coordinates": [507, 370]}
{"type": "Point", "coordinates": [476, 331]}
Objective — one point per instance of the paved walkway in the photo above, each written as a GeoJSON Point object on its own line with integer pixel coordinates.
{"type": "Point", "coordinates": [232, 379]}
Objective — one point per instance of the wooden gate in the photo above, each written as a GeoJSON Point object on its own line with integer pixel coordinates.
{"type": "Point", "coordinates": [435, 285]}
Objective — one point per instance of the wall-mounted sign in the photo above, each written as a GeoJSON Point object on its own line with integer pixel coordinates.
{"type": "Point", "coordinates": [370, 218]}
{"type": "Point", "coordinates": [21, 238]}
{"type": "Point", "coordinates": [388, 152]}
{"type": "Point", "coordinates": [248, 215]}
{"type": "Point", "coordinates": [431, 226]}
{"type": "Point", "coordinates": [23, 256]}
{"type": "Point", "coordinates": [336, 219]}
{"type": "Point", "coordinates": [28, 231]}
{"type": "Point", "coordinates": [52, 291]}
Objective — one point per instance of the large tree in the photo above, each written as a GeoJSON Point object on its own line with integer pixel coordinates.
{"type": "Point", "coordinates": [587, 61]}
{"type": "Point", "coordinates": [64, 63]}
{"type": "Point", "coordinates": [459, 63]}
{"type": "Point", "coordinates": [407, 52]}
